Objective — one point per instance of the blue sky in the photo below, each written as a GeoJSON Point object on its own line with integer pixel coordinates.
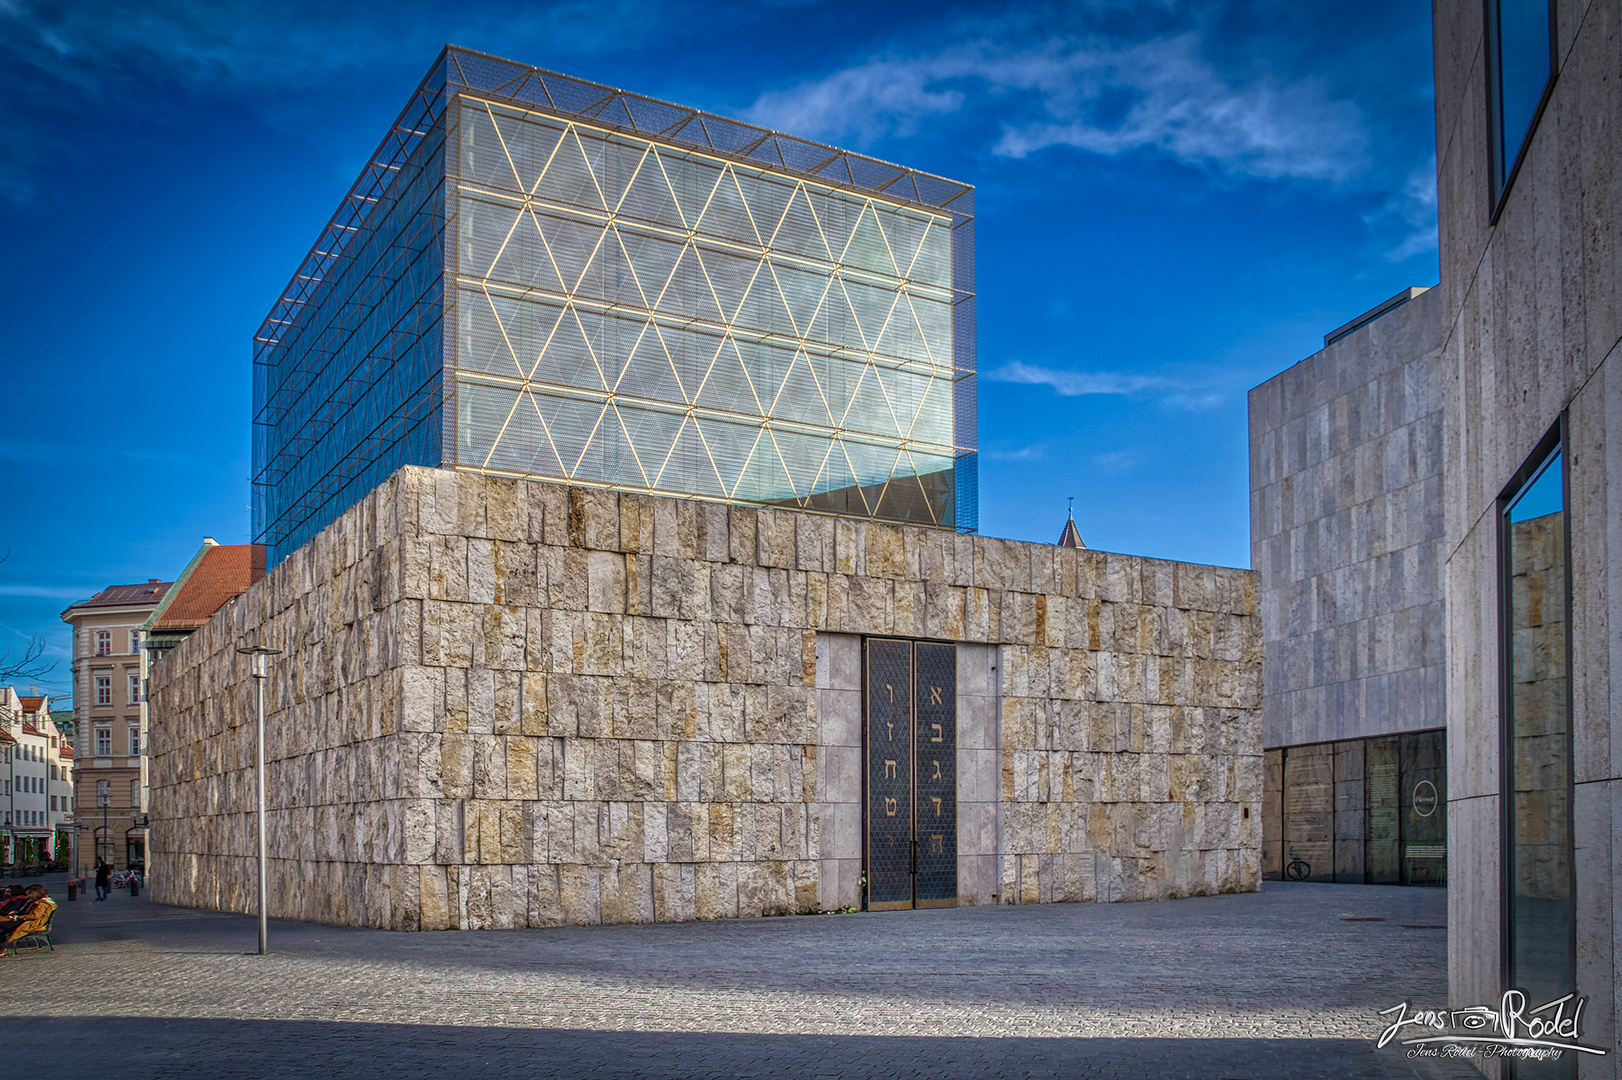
{"type": "Point", "coordinates": [1175, 202]}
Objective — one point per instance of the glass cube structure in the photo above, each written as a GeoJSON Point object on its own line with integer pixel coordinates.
{"type": "Point", "coordinates": [539, 276]}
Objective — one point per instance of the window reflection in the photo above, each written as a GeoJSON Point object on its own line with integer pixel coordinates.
{"type": "Point", "coordinates": [1538, 834]}
{"type": "Point", "coordinates": [1521, 62]}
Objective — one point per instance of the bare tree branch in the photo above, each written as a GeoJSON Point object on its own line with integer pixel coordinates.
{"type": "Point", "coordinates": [31, 664]}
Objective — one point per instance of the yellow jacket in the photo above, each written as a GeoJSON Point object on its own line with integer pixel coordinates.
{"type": "Point", "coordinates": [35, 917]}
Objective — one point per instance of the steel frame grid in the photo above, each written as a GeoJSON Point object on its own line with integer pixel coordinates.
{"type": "Point", "coordinates": [351, 391]}
{"type": "Point", "coordinates": [457, 69]}
{"type": "Point", "coordinates": [555, 220]}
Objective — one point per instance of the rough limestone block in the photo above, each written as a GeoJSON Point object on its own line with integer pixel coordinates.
{"type": "Point", "coordinates": [716, 890]}
{"type": "Point", "coordinates": [674, 892]}
{"type": "Point", "coordinates": [637, 520]}
{"type": "Point", "coordinates": [605, 582]}
{"type": "Point", "coordinates": [580, 891]}
{"type": "Point", "coordinates": [627, 893]}
{"type": "Point", "coordinates": [813, 542]}
{"type": "Point", "coordinates": [434, 899]}
{"type": "Point", "coordinates": [574, 706]}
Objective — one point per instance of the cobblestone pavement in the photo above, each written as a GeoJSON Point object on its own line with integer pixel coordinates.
{"type": "Point", "coordinates": [1270, 985]}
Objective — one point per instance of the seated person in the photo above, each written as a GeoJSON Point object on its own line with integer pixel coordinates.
{"type": "Point", "coordinates": [16, 899]}
{"type": "Point", "coordinates": [33, 918]}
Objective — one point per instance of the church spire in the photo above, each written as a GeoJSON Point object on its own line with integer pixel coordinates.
{"type": "Point", "coordinates": [1068, 536]}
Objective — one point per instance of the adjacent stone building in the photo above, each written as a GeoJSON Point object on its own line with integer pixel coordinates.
{"type": "Point", "coordinates": [1527, 114]}
{"type": "Point", "coordinates": [1346, 539]}
{"type": "Point", "coordinates": [506, 702]}
{"type": "Point", "coordinates": [1510, 366]}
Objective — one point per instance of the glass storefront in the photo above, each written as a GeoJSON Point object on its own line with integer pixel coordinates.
{"type": "Point", "coordinates": [1367, 811]}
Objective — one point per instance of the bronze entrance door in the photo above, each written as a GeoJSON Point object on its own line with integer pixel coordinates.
{"type": "Point", "coordinates": [911, 708]}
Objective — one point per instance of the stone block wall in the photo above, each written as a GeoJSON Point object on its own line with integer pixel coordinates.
{"type": "Point", "coordinates": [512, 703]}
{"type": "Point", "coordinates": [1532, 308]}
{"type": "Point", "coordinates": [1346, 534]}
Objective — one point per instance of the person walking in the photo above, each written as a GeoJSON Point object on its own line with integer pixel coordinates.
{"type": "Point", "coordinates": [104, 879]}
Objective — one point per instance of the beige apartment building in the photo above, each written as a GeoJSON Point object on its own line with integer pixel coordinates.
{"type": "Point", "coordinates": [109, 714]}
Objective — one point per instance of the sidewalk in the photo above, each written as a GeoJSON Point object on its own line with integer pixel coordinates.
{"type": "Point", "coordinates": [1270, 985]}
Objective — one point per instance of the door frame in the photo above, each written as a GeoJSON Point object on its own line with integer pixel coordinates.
{"type": "Point", "coordinates": [913, 903]}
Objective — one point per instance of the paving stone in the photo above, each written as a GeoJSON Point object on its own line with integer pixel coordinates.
{"type": "Point", "coordinates": [1276, 984]}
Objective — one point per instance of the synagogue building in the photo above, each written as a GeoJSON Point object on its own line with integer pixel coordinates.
{"type": "Point", "coordinates": [616, 468]}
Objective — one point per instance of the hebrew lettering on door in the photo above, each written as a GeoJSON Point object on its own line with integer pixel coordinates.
{"type": "Point", "coordinates": [911, 705]}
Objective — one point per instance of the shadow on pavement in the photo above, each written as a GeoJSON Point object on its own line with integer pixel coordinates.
{"type": "Point", "coordinates": [228, 1049]}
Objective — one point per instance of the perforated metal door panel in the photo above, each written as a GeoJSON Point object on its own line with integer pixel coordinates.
{"type": "Point", "coordinates": [889, 774]}
{"type": "Point", "coordinates": [936, 808]}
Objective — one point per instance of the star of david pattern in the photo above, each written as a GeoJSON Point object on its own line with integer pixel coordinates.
{"type": "Point", "coordinates": [645, 315]}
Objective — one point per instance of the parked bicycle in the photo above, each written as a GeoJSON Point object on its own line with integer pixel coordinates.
{"type": "Point", "coordinates": [1298, 868]}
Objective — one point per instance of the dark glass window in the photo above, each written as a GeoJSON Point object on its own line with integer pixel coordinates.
{"type": "Point", "coordinates": [1520, 52]}
{"type": "Point", "coordinates": [1538, 893]}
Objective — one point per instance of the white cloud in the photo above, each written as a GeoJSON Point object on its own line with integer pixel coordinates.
{"type": "Point", "coordinates": [1116, 461]}
{"type": "Point", "coordinates": [1071, 383]}
{"type": "Point", "coordinates": [1188, 392]}
{"type": "Point", "coordinates": [1033, 452]}
{"type": "Point", "coordinates": [1092, 93]}
{"type": "Point", "coordinates": [49, 592]}
{"type": "Point", "coordinates": [259, 52]}
{"type": "Point", "coordinates": [1412, 211]}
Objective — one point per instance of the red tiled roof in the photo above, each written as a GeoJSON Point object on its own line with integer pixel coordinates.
{"type": "Point", "coordinates": [127, 595]}
{"type": "Point", "coordinates": [31, 704]}
{"type": "Point", "coordinates": [64, 750]}
{"type": "Point", "coordinates": [224, 572]}
{"type": "Point", "coordinates": [6, 736]}
{"type": "Point", "coordinates": [30, 729]}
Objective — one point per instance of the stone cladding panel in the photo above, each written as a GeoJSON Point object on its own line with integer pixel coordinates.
{"type": "Point", "coordinates": [507, 703]}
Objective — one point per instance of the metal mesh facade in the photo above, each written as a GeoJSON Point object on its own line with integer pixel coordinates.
{"type": "Point", "coordinates": [601, 287]}
{"type": "Point", "coordinates": [350, 390]}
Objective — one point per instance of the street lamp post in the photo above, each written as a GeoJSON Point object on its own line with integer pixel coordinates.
{"type": "Point", "coordinates": [260, 669]}
{"type": "Point", "coordinates": [139, 821]}
{"type": "Point", "coordinates": [105, 798]}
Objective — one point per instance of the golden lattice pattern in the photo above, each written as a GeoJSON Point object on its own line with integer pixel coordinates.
{"type": "Point", "coordinates": [646, 315]}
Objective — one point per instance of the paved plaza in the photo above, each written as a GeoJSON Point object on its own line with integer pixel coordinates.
{"type": "Point", "coordinates": [1284, 983]}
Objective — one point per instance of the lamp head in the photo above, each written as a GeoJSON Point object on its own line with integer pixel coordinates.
{"type": "Point", "coordinates": [259, 667]}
